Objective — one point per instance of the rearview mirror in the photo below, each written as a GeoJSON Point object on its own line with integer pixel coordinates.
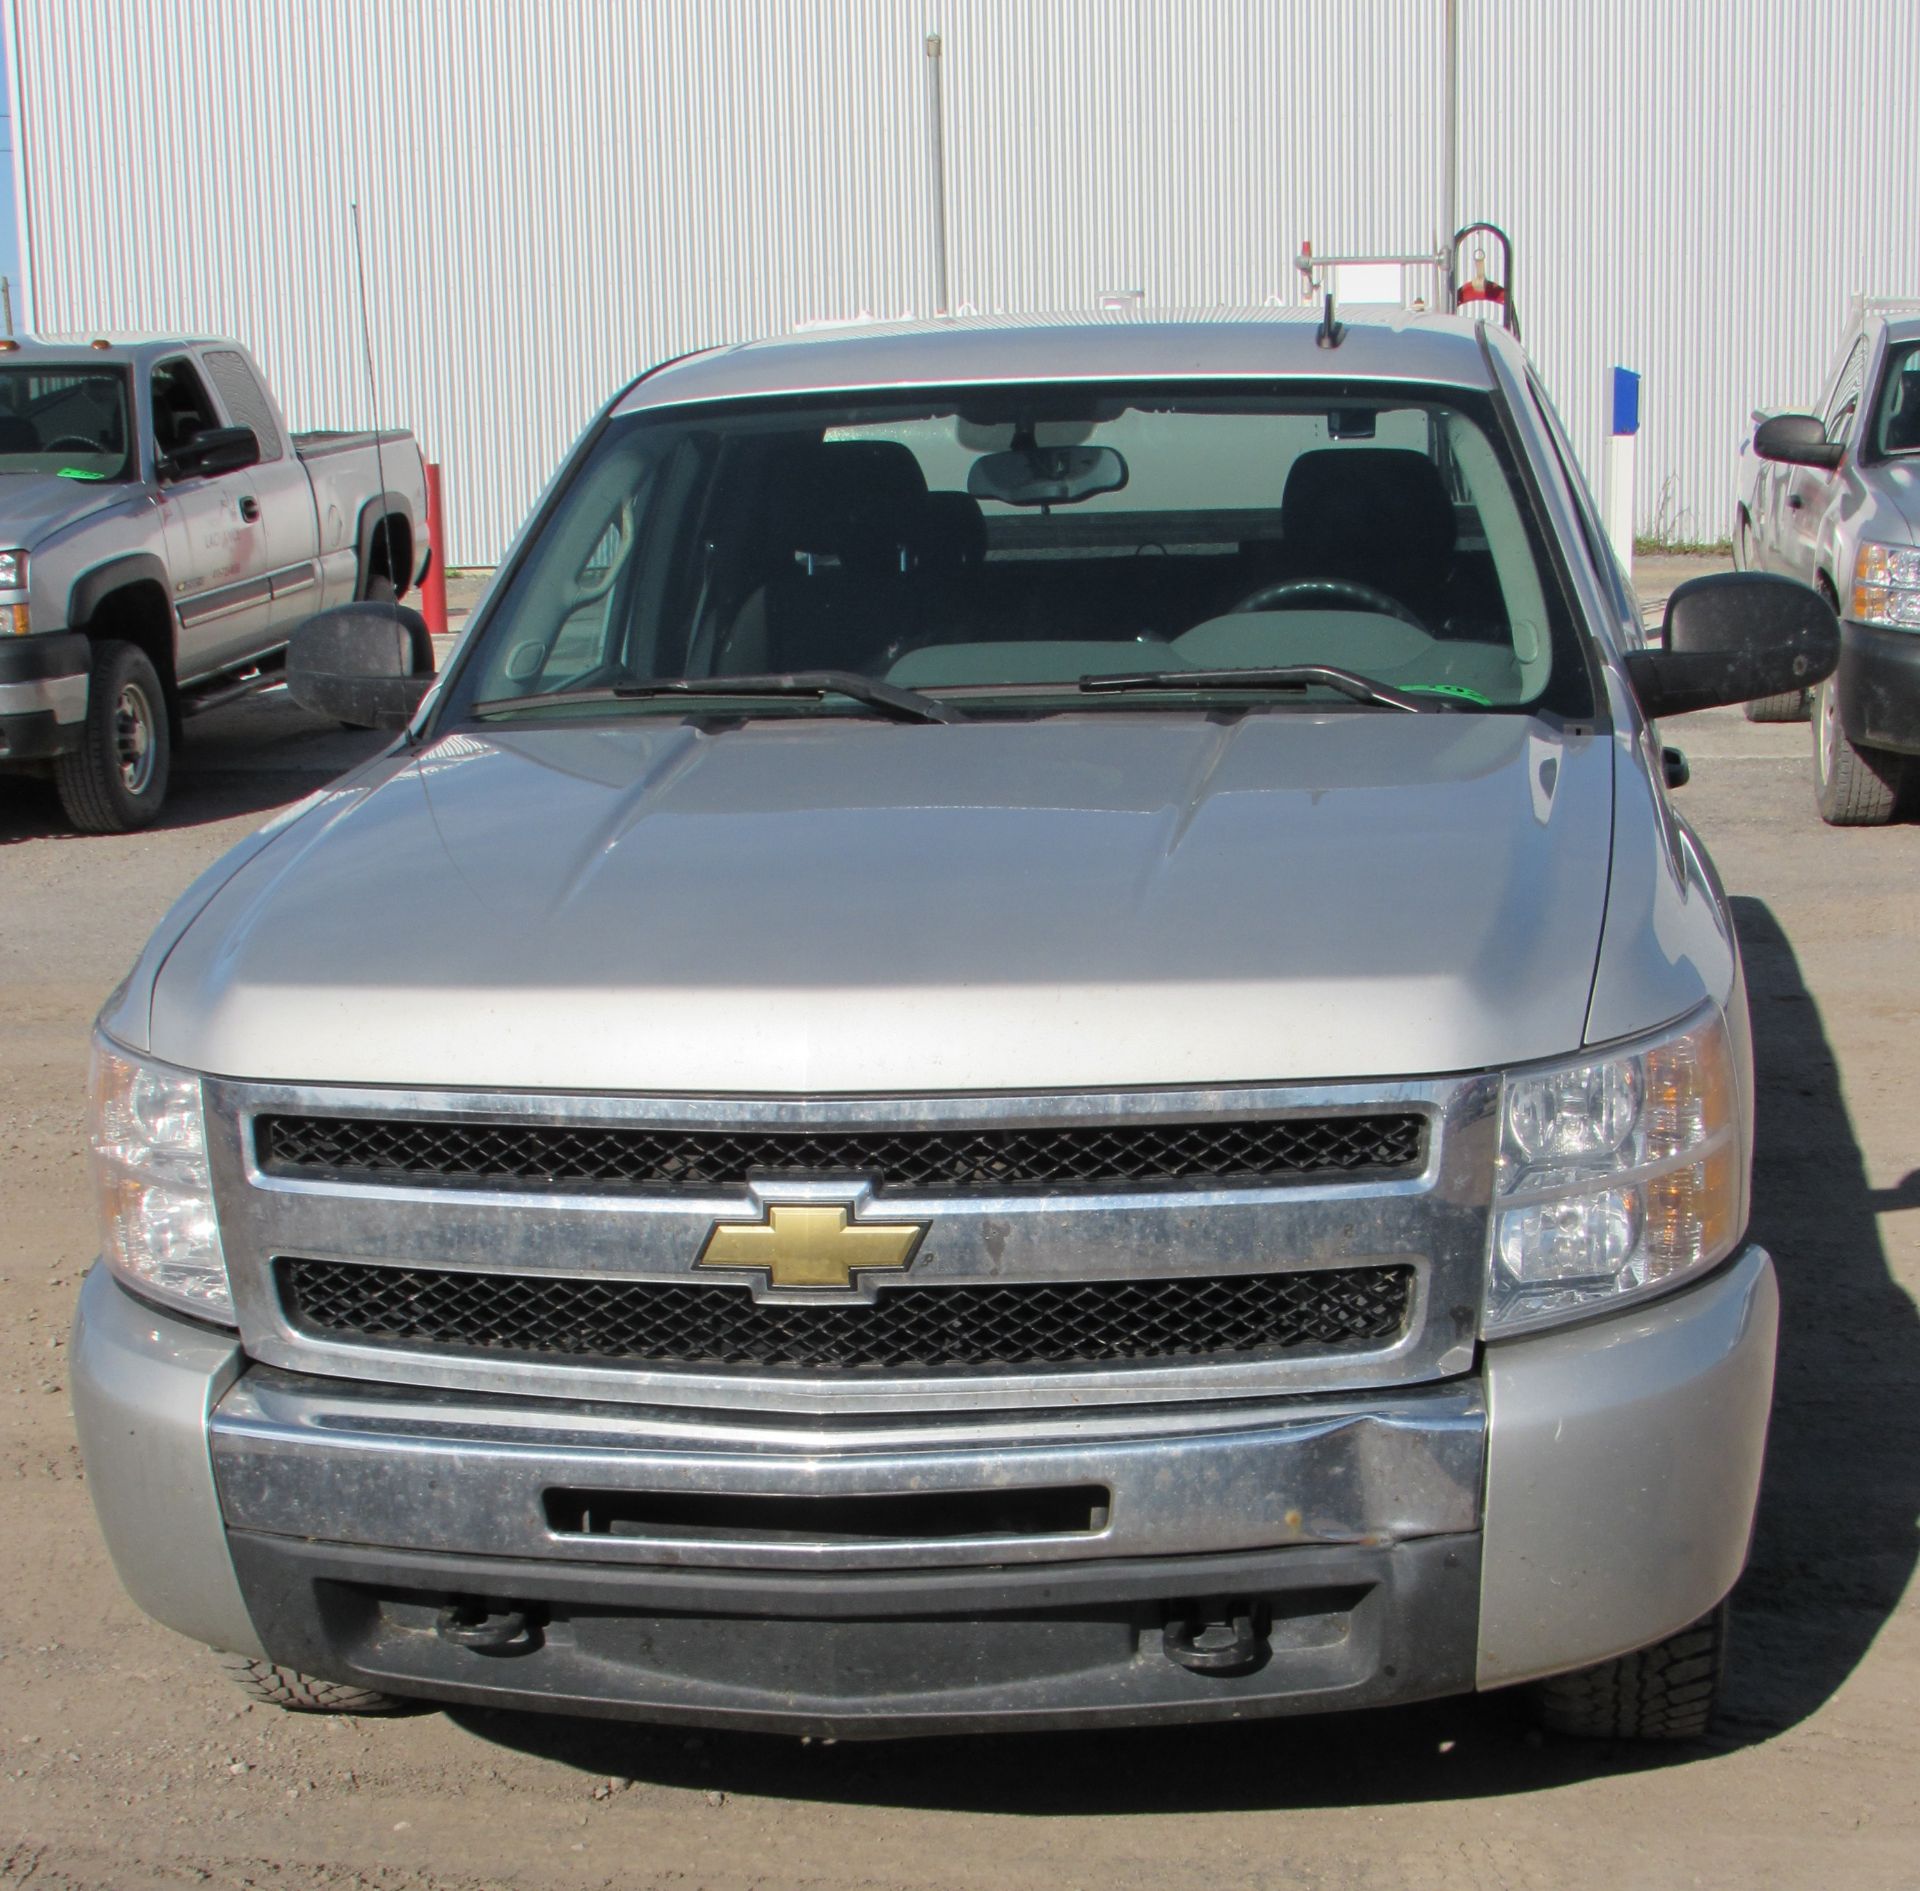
{"type": "Point", "coordinates": [1046, 475]}
{"type": "Point", "coordinates": [1734, 638]}
{"type": "Point", "coordinates": [365, 664]}
{"type": "Point", "coordinates": [213, 450]}
{"type": "Point", "coordinates": [1797, 439]}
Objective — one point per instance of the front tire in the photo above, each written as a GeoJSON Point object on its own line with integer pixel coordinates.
{"type": "Point", "coordinates": [274, 1686]}
{"type": "Point", "coordinates": [1666, 1692]}
{"type": "Point", "coordinates": [1853, 787]}
{"type": "Point", "coordinates": [116, 780]}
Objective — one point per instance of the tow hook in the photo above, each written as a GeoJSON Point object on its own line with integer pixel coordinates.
{"type": "Point", "coordinates": [1229, 1642]}
{"type": "Point", "coordinates": [487, 1631]}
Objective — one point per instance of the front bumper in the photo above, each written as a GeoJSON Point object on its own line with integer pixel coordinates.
{"type": "Point", "coordinates": [1878, 681]}
{"type": "Point", "coordinates": [1591, 1493]}
{"type": "Point", "coordinates": [43, 695]}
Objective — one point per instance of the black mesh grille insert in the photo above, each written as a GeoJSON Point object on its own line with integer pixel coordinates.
{"type": "Point", "coordinates": [1089, 1155]}
{"type": "Point", "coordinates": [1046, 1323]}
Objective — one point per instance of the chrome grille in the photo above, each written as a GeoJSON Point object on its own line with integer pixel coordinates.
{"type": "Point", "coordinates": [603, 1156]}
{"type": "Point", "coordinates": [1031, 1323]}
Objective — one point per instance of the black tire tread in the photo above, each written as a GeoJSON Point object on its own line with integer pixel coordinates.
{"type": "Point", "coordinates": [298, 1693]}
{"type": "Point", "coordinates": [87, 778]}
{"type": "Point", "coordinates": [1865, 787]}
{"type": "Point", "coordinates": [1666, 1692]}
{"type": "Point", "coordinates": [1789, 706]}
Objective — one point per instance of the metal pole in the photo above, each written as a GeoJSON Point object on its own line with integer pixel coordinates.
{"type": "Point", "coordinates": [1450, 157]}
{"type": "Point", "coordinates": [6, 304]}
{"type": "Point", "coordinates": [940, 303]}
{"type": "Point", "coordinates": [433, 590]}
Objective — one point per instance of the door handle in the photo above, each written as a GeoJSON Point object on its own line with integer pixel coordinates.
{"type": "Point", "coordinates": [249, 508]}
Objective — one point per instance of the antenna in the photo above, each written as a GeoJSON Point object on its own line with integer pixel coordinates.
{"type": "Point", "coordinates": [373, 397]}
{"type": "Point", "coordinates": [1331, 332]}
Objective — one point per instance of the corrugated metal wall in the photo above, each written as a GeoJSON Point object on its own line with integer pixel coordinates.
{"type": "Point", "coordinates": [556, 195]}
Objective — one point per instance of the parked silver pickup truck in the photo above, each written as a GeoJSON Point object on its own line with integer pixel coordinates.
{"type": "Point", "coordinates": [161, 535]}
{"type": "Point", "coordinates": [1024, 1040]}
{"type": "Point", "coordinates": [1833, 499]}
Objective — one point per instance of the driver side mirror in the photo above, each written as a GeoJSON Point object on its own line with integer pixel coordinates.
{"type": "Point", "coordinates": [366, 664]}
{"type": "Point", "coordinates": [1799, 440]}
{"type": "Point", "coordinates": [211, 451]}
{"type": "Point", "coordinates": [1733, 638]}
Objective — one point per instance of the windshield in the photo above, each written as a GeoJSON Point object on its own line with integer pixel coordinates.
{"type": "Point", "coordinates": [1896, 422]}
{"type": "Point", "coordinates": [68, 421]}
{"type": "Point", "coordinates": [997, 547]}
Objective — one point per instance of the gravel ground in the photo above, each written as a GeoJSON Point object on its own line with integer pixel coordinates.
{"type": "Point", "coordinates": [127, 1762]}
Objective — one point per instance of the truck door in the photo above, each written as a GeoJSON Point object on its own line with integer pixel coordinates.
{"type": "Point", "coordinates": [216, 547]}
{"type": "Point", "coordinates": [283, 494]}
{"type": "Point", "coordinates": [1807, 491]}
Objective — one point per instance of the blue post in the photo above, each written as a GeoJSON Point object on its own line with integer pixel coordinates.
{"type": "Point", "coordinates": [1626, 401]}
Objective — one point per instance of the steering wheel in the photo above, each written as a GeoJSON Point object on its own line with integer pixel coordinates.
{"type": "Point", "coordinates": [74, 439]}
{"type": "Point", "coordinates": [1290, 591]}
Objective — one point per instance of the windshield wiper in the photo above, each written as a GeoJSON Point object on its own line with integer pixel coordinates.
{"type": "Point", "coordinates": [903, 705]}
{"type": "Point", "coordinates": [1289, 676]}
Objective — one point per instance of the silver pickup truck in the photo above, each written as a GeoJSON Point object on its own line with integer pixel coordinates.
{"type": "Point", "coordinates": [1833, 498]}
{"type": "Point", "coordinates": [1024, 1040]}
{"type": "Point", "coordinates": [161, 535]}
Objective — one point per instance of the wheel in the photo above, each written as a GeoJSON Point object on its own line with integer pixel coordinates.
{"type": "Point", "coordinates": [306, 1693]}
{"type": "Point", "coordinates": [1854, 787]}
{"type": "Point", "coordinates": [1789, 706]}
{"type": "Point", "coordinates": [1284, 594]}
{"type": "Point", "coordinates": [1666, 1692]}
{"type": "Point", "coordinates": [116, 779]}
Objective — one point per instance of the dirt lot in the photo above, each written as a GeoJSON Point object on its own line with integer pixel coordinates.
{"type": "Point", "coordinates": [127, 1762]}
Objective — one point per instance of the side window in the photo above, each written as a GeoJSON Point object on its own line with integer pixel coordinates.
{"type": "Point", "coordinates": [181, 408]}
{"type": "Point", "coordinates": [246, 399]}
{"type": "Point", "coordinates": [1845, 398]}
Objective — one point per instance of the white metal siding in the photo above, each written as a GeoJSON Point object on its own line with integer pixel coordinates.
{"type": "Point", "coordinates": [556, 196]}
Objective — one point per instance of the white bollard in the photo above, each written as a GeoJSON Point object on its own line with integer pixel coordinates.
{"type": "Point", "coordinates": [1616, 497]}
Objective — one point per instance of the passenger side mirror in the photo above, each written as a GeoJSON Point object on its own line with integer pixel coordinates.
{"type": "Point", "coordinates": [1733, 638]}
{"type": "Point", "coordinates": [1799, 440]}
{"type": "Point", "coordinates": [213, 450]}
{"type": "Point", "coordinates": [365, 664]}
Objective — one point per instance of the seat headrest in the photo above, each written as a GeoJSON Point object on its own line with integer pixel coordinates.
{"type": "Point", "coordinates": [953, 531]}
{"type": "Point", "coordinates": [1355, 505]}
{"type": "Point", "coordinates": [862, 499]}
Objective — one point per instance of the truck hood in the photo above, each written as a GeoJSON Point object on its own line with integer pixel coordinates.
{"type": "Point", "coordinates": [834, 906]}
{"type": "Point", "coordinates": [35, 505]}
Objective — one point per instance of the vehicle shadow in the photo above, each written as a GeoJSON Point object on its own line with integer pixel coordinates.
{"type": "Point", "coordinates": [1836, 1543]}
{"type": "Point", "coordinates": [249, 759]}
{"type": "Point", "coordinates": [1833, 1551]}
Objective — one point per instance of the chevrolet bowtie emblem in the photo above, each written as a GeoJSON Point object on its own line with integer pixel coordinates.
{"type": "Point", "coordinates": [803, 1244]}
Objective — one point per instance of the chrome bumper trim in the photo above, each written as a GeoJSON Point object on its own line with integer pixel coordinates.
{"type": "Point", "coordinates": [386, 1469]}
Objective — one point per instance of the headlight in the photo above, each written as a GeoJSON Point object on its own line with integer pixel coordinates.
{"type": "Point", "coordinates": [151, 1183]}
{"type": "Point", "coordinates": [13, 571]}
{"type": "Point", "coordinates": [1886, 586]}
{"type": "Point", "coordinates": [1619, 1177]}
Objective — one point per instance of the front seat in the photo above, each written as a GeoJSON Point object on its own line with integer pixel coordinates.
{"type": "Point", "coordinates": [838, 596]}
{"type": "Point", "coordinates": [1378, 516]}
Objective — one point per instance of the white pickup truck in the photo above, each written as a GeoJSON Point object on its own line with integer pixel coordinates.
{"type": "Point", "coordinates": [162, 535]}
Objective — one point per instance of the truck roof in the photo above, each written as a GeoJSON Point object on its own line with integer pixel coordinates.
{"type": "Point", "coordinates": [1079, 346]}
{"type": "Point", "coordinates": [112, 351]}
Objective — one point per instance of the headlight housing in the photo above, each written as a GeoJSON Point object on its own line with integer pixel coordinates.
{"type": "Point", "coordinates": [13, 571]}
{"type": "Point", "coordinates": [1886, 586]}
{"type": "Point", "coordinates": [152, 1186]}
{"type": "Point", "coordinates": [1619, 1177]}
